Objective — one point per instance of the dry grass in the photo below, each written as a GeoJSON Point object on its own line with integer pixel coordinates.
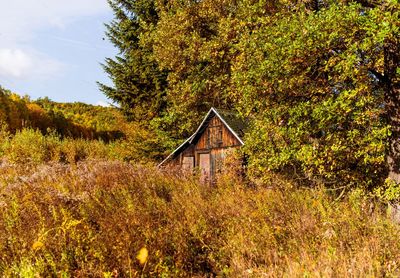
{"type": "Point", "coordinates": [91, 219]}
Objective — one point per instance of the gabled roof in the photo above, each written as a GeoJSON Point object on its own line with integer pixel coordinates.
{"type": "Point", "coordinates": [230, 119]}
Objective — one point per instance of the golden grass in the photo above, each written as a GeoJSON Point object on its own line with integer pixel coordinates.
{"type": "Point", "coordinates": [110, 219]}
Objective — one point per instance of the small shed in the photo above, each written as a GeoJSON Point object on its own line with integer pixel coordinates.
{"type": "Point", "coordinates": [219, 132]}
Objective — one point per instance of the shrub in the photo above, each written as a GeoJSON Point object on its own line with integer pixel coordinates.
{"type": "Point", "coordinates": [30, 146]}
{"type": "Point", "coordinates": [93, 219]}
{"type": "Point", "coordinates": [27, 146]}
{"type": "Point", "coordinates": [4, 136]}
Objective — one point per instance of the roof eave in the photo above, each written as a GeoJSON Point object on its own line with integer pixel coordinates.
{"type": "Point", "coordinates": [175, 151]}
{"type": "Point", "coordinates": [191, 138]}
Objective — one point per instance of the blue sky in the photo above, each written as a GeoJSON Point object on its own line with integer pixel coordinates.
{"type": "Point", "coordinates": [54, 48]}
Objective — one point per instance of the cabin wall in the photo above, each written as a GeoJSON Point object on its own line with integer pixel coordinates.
{"type": "Point", "coordinates": [188, 158]}
{"type": "Point", "coordinates": [216, 130]}
{"type": "Point", "coordinates": [209, 152]}
{"type": "Point", "coordinates": [189, 151]}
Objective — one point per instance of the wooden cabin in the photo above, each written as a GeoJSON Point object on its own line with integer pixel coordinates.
{"type": "Point", "coordinates": [220, 132]}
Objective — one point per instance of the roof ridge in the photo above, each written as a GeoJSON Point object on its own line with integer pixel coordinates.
{"type": "Point", "coordinates": [230, 119]}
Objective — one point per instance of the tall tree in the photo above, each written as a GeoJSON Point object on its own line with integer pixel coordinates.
{"type": "Point", "coordinates": [195, 41]}
{"type": "Point", "coordinates": [319, 78]}
{"type": "Point", "coordinates": [322, 85]}
{"type": "Point", "coordinates": [192, 44]}
{"type": "Point", "coordinates": [138, 84]}
{"type": "Point", "coordinates": [390, 80]}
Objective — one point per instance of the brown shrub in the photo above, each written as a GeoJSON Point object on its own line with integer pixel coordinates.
{"type": "Point", "coordinates": [92, 219]}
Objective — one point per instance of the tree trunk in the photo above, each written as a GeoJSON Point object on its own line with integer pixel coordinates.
{"type": "Point", "coordinates": [392, 90]}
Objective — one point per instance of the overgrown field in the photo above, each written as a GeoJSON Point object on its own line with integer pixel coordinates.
{"type": "Point", "coordinates": [30, 146]}
{"type": "Point", "coordinates": [92, 219]}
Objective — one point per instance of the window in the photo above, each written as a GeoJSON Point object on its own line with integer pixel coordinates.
{"type": "Point", "coordinates": [188, 163]}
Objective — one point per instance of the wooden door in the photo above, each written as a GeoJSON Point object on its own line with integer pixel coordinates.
{"type": "Point", "coordinates": [204, 165]}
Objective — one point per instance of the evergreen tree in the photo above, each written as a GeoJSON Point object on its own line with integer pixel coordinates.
{"type": "Point", "coordinates": [138, 84]}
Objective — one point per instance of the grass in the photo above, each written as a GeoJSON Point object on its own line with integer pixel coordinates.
{"type": "Point", "coordinates": [112, 219]}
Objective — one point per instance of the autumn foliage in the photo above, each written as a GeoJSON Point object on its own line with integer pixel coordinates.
{"type": "Point", "coordinates": [316, 81]}
{"type": "Point", "coordinates": [74, 120]}
{"type": "Point", "coordinates": [111, 219]}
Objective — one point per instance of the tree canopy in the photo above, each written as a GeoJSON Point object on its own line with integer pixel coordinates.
{"type": "Point", "coordinates": [319, 80]}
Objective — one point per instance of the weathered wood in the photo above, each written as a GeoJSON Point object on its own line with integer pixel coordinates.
{"type": "Point", "coordinates": [393, 212]}
{"type": "Point", "coordinates": [190, 151]}
{"type": "Point", "coordinates": [228, 139]}
{"type": "Point", "coordinates": [188, 163]}
{"type": "Point", "coordinates": [204, 166]}
{"type": "Point", "coordinates": [206, 149]}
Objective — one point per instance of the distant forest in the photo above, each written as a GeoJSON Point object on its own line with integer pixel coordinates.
{"type": "Point", "coordinates": [51, 129]}
{"type": "Point", "coordinates": [75, 120]}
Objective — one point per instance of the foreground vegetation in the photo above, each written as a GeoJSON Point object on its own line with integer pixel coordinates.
{"type": "Point", "coordinates": [79, 204]}
{"type": "Point", "coordinates": [318, 82]}
{"type": "Point", "coordinates": [92, 219]}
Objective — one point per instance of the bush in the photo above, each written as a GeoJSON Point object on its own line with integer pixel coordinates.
{"type": "Point", "coordinates": [94, 219]}
{"type": "Point", "coordinates": [30, 146]}
{"type": "Point", "coordinates": [27, 146]}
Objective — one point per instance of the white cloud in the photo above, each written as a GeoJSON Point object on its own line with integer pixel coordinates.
{"type": "Point", "coordinates": [20, 20]}
{"type": "Point", "coordinates": [14, 62]}
{"type": "Point", "coordinates": [20, 64]}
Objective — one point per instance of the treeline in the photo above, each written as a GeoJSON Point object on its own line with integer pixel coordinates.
{"type": "Point", "coordinates": [319, 80]}
{"type": "Point", "coordinates": [74, 120]}
{"type": "Point", "coordinates": [40, 131]}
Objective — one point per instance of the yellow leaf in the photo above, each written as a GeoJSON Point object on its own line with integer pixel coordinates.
{"type": "Point", "coordinates": [37, 245]}
{"type": "Point", "coordinates": [142, 255]}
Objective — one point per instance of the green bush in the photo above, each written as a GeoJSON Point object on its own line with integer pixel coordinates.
{"type": "Point", "coordinates": [27, 146]}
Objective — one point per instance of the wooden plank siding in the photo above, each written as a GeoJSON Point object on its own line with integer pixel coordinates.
{"type": "Point", "coordinates": [207, 148]}
{"type": "Point", "coordinates": [212, 143]}
{"type": "Point", "coordinates": [228, 139]}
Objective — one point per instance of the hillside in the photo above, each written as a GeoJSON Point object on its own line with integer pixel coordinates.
{"type": "Point", "coordinates": [293, 172]}
{"type": "Point", "coordinates": [76, 120]}
{"type": "Point", "coordinates": [41, 131]}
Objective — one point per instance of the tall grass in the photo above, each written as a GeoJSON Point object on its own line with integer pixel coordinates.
{"type": "Point", "coordinates": [30, 147]}
{"type": "Point", "coordinates": [92, 220]}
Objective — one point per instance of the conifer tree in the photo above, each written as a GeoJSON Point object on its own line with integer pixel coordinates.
{"type": "Point", "coordinates": [138, 84]}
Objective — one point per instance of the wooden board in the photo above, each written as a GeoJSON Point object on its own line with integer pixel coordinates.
{"type": "Point", "coordinates": [204, 166]}
{"type": "Point", "coordinates": [216, 135]}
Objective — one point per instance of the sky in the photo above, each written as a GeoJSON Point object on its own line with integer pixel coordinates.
{"type": "Point", "coordinates": [54, 48]}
